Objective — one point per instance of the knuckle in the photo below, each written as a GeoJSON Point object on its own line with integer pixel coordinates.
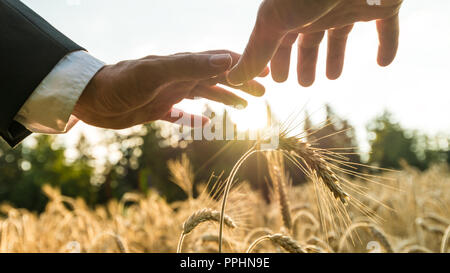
{"type": "Point", "coordinates": [181, 53]}
{"type": "Point", "coordinates": [150, 57]}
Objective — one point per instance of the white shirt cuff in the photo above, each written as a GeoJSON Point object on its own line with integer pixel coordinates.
{"type": "Point", "coordinates": [49, 108]}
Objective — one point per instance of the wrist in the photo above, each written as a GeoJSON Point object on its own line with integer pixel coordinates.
{"type": "Point", "coordinates": [87, 96]}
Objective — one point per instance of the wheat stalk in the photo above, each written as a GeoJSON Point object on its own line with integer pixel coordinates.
{"type": "Point", "coordinates": [416, 249]}
{"type": "Point", "coordinates": [228, 183]}
{"type": "Point", "coordinates": [314, 249]}
{"type": "Point", "coordinates": [373, 230]}
{"type": "Point", "coordinates": [208, 237]}
{"type": "Point", "coordinates": [439, 230]}
{"type": "Point", "coordinates": [256, 231]}
{"type": "Point", "coordinates": [297, 219]}
{"type": "Point", "coordinates": [315, 241]}
{"type": "Point", "coordinates": [445, 240]}
{"type": "Point", "coordinates": [437, 218]}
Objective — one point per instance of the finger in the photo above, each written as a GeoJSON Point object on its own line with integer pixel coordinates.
{"type": "Point", "coordinates": [282, 58]}
{"type": "Point", "coordinates": [218, 94]}
{"type": "Point", "coordinates": [180, 117]}
{"type": "Point", "coordinates": [337, 41]}
{"type": "Point", "coordinates": [308, 50]}
{"type": "Point", "coordinates": [252, 87]}
{"type": "Point", "coordinates": [260, 49]}
{"type": "Point", "coordinates": [194, 66]}
{"type": "Point", "coordinates": [235, 56]}
{"type": "Point", "coordinates": [388, 34]}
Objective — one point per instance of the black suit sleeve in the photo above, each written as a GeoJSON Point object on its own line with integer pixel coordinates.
{"type": "Point", "coordinates": [29, 49]}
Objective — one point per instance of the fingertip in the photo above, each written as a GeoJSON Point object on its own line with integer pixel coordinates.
{"type": "Point", "coordinates": [234, 78]}
{"type": "Point", "coordinates": [386, 53]}
{"type": "Point", "coordinates": [254, 88]}
{"type": "Point", "coordinates": [334, 74]}
{"type": "Point", "coordinates": [306, 75]}
{"type": "Point", "coordinates": [388, 33]}
{"type": "Point", "coordinates": [279, 69]}
{"type": "Point", "coordinates": [384, 61]}
{"type": "Point", "coordinates": [241, 105]}
{"type": "Point", "coordinates": [265, 72]}
{"type": "Point", "coordinates": [280, 64]}
{"type": "Point", "coordinates": [305, 82]}
{"type": "Point", "coordinates": [279, 77]}
{"type": "Point", "coordinates": [260, 91]}
{"type": "Point", "coordinates": [238, 103]}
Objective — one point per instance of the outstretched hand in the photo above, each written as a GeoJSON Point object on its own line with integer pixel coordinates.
{"type": "Point", "coordinates": [281, 22]}
{"type": "Point", "coordinates": [139, 91]}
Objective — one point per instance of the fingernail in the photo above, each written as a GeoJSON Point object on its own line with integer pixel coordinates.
{"type": "Point", "coordinates": [220, 60]}
{"type": "Point", "coordinates": [232, 83]}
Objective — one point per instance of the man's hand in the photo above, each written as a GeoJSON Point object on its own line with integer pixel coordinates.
{"type": "Point", "coordinates": [138, 91]}
{"type": "Point", "coordinates": [281, 22]}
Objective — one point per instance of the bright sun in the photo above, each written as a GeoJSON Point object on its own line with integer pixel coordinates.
{"type": "Point", "coordinates": [254, 117]}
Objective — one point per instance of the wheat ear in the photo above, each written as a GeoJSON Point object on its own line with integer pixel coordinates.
{"type": "Point", "coordinates": [200, 216]}
{"type": "Point", "coordinates": [279, 180]}
{"type": "Point", "coordinates": [286, 242]}
{"type": "Point", "coordinates": [296, 148]}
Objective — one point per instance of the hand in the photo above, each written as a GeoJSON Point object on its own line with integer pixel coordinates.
{"type": "Point", "coordinates": [281, 22]}
{"type": "Point", "coordinates": [138, 91]}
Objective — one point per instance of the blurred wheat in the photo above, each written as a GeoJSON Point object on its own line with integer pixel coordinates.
{"type": "Point", "coordinates": [415, 219]}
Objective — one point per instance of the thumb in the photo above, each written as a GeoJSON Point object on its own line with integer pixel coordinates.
{"type": "Point", "coordinates": [186, 67]}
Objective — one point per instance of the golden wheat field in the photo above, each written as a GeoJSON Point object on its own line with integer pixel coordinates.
{"type": "Point", "coordinates": [408, 211]}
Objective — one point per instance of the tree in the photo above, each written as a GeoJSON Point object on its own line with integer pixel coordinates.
{"type": "Point", "coordinates": [390, 144]}
{"type": "Point", "coordinates": [26, 169]}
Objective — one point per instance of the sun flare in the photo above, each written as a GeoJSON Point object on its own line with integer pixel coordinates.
{"type": "Point", "coordinates": [253, 117]}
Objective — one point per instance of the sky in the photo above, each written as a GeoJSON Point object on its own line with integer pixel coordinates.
{"type": "Point", "coordinates": [415, 88]}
